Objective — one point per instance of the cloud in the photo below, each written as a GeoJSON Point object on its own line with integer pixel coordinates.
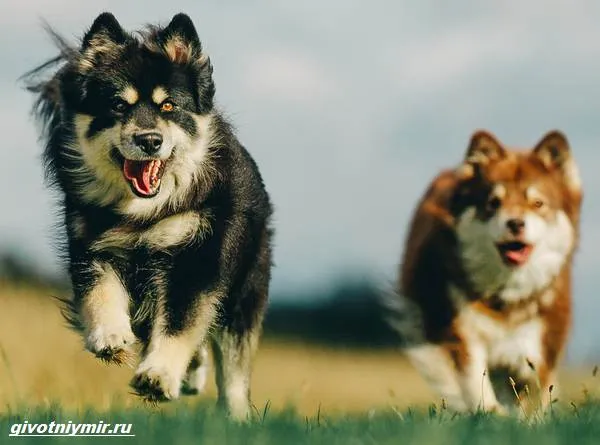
{"type": "Point", "coordinates": [432, 64]}
{"type": "Point", "coordinates": [287, 76]}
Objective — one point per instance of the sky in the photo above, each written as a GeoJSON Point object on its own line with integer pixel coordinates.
{"type": "Point", "coordinates": [349, 108]}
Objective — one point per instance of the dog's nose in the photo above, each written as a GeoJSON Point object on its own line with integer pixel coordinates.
{"type": "Point", "coordinates": [149, 142]}
{"type": "Point", "coordinates": [515, 225]}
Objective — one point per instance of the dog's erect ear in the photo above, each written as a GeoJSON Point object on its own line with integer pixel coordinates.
{"type": "Point", "coordinates": [181, 25]}
{"type": "Point", "coordinates": [180, 43]}
{"type": "Point", "coordinates": [555, 153]}
{"type": "Point", "coordinates": [105, 28]}
{"type": "Point", "coordinates": [180, 39]}
{"type": "Point", "coordinates": [484, 148]}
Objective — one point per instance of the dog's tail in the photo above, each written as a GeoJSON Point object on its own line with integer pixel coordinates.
{"type": "Point", "coordinates": [44, 82]}
{"type": "Point", "coordinates": [402, 316]}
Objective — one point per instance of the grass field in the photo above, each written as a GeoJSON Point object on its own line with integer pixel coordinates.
{"type": "Point", "coordinates": [302, 394]}
{"type": "Point", "coordinates": [200, 425]}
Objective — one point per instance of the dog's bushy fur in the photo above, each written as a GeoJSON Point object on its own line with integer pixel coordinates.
{"type": "Point", "coordinates": [179, 258]}
{"type": "Point", "coordinates": [483, 301]}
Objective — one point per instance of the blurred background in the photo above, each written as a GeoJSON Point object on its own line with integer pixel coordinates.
{"type": "Point", "coordinates": [349, 108]}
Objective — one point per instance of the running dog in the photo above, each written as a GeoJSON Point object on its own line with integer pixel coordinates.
{"type": "Point", "coordinates": [484, 294]}
{"type": "Point", "coordinates": [166, 214]}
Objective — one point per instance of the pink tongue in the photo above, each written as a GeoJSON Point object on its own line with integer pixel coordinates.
{"type": "Point", "coordinates": [518, 256]}
{"type": "Point", "coordinates": [138, 172]}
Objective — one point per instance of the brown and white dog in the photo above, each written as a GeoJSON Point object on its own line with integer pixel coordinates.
{"type": "Point", "coordinates": [484, 298]}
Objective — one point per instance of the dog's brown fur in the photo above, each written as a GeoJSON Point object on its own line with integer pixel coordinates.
{"type": "Point", "coordinates": [467, 316]}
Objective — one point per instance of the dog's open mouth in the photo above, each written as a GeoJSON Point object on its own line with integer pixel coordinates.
{"type": "Point", "coordinates": [515, 253]}
{"type": "Point", "coordinates": [144, 176]}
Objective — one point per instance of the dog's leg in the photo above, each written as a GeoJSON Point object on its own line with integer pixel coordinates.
{"type": "Point", "coordinates": [234, 353]}
{"type": "Point", "coordinates": [160, 374]}
{"type": "Point", "coordinates": [549, 390]}
{"type": "Point", "coordinates": [474, 379]}
{"type": "Point", "coordinates": [435, 365]}
{"type": "Point", "coordinates": [433, 361]}
{"type": "Point", "coordinates": [197, 371]}
{"type": "Point", "coordinates": [104, 314]}
{"type": "Point", "coordinates": [537, 398]}
{"type": "Point", "coordinates": [236, 341]}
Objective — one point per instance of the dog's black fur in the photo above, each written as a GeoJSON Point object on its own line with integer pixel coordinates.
{"type": "Point", "coordinates": [226, 260]}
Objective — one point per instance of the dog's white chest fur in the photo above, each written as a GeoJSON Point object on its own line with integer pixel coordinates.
{"type": "Point", "coordinates": [506, 344]}
{"type": "Point", "coordinates": [171, 231]}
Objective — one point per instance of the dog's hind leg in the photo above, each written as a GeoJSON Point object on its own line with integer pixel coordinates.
{"type": "Point", "coordinates": [436, 367]}
{"type": "Point", "coordinates": [233, 356]}
{"type": "Point", "coordinates": [235, 341]}
{"type": "Point", "coordinates": [195, 379]}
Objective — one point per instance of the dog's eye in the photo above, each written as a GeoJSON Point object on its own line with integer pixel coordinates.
{"type": "Point", "coordinates": [119, 105]}
{"type": "Point", "coordinates": [538, 203]}
{"type": "Point", "coordinates": [493, 203]}
{"type": "Point", "coordinates": [167, 106]}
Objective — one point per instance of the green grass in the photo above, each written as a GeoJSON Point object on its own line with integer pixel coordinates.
{"type": "Point", "coordinates": [202, 424]}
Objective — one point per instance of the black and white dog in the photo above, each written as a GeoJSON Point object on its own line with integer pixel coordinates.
{"type": "Point", "coordinates": [167, 217]}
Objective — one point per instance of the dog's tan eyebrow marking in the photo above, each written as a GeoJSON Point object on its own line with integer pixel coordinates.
{"type": "Point", "coordinates": [533, 192]}
{"type": "Point", "coordinates": [499, 191]}
{"type": "Point", "coordinates": [159, 95]}
{"type": "Point", "coordinates": [130, 95]}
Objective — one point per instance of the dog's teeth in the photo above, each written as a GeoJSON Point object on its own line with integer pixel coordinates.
{"type": "Point", "coordinates": [155, 170]}
{"type": "Point", "coordinates": [153, 173]}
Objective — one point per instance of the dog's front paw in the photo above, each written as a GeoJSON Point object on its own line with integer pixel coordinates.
{"type": "Point", "coordinates": [196, 374]}
{"type": "Point", "coordinates": [498, 410]}
{"type": "Point", "coordinates": [111, 343]}
{"type": "Point", "coordinates": [156, 382]}
{"type": "Point", "coordinates": [195, 380]}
